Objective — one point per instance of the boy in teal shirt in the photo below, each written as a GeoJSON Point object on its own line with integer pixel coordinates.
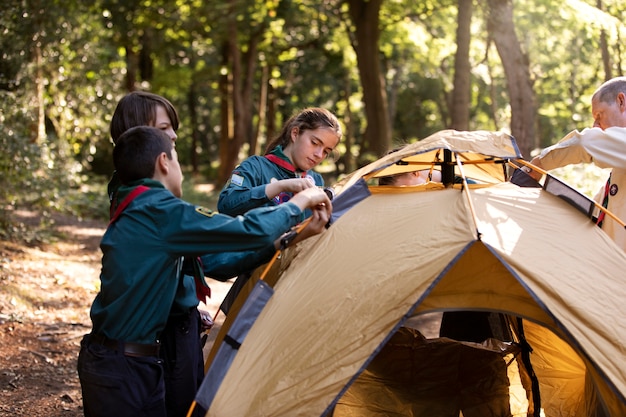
{"type": "Point", "coordinates": [143, 247]}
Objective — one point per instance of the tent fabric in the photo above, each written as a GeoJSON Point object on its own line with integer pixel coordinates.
{"type": "Point", "coordinates": [553, 360]}
{"type": "Point", "coordinates": [394, 255]}
{"type": "Point", "coordinates": [482, 152]}
{"type": "Point", "coordinates": [250, 310]}
{"type": "Point", "coordinates": [347, 200]}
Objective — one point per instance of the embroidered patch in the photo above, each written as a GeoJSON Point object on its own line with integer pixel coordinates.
{"type": "Point", "coordinates": [282, 198]}
{"type": "Point", "coordinates": [236, 179]}
{"type": "Point", "coordinates": [614, 189]}
{"type": "Point", "coordinates": [205, 211]}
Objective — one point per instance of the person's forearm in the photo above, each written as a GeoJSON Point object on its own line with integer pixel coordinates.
{"type": "Point", "coordinates": [272, 189]}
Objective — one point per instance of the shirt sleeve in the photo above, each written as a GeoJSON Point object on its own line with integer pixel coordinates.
{"type": "Point", "coordinates": [605, 148]}
{"type": "Point", "coordinates": [191, 230]}
{"type": "Point", "coordinates": [245, 189]}
{"type": "Point", "coordinates": [225, 265]}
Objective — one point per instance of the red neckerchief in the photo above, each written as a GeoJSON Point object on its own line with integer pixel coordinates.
{"type": "Point", "coordinates": [605, 201]}
{"type": "Point", "coordinates": [202, 290]}
{"type": "Point", "coordinates": [130, 197]}
{"type": "Point", "coordinates": [284, 164]}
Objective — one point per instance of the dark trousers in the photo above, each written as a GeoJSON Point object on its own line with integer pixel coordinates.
{"type": "Point", "coordinates": [181, 351]}
{"type": "Point", "coordinates": [116, 385]}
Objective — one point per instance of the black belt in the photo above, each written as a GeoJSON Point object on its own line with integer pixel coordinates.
{"type": "Point", "coordinates": [128, 348]}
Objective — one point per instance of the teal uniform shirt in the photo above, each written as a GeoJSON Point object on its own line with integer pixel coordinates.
{"type": "Point", "coordinates": [143, 256]}
{"type": "Point", "coordinates": [245, 189]}
{"type": "Point", "coordinates": [219, 266]}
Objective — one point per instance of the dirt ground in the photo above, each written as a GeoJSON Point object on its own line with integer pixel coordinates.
{"type": "Point", "coordinates": [45, 295]}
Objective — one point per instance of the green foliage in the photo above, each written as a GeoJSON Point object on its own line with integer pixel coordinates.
{"type": "Point", "coordinates": [20, 161]}
{"type": "Point", "coordinates": [586, 178]}
{"type": "Point", "coordinates": [200, 193]}
{"type": "Point", "coordinates": [38, 177]}
{"type": "Point", "coordinates": [87, 55]}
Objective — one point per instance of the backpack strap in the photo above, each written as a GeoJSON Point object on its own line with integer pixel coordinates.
{"type": "Point", "coordinates": [130, 197]}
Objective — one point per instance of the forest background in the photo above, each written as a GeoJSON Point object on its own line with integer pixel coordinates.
{"type": "Point", "coordinates": [393, 71]}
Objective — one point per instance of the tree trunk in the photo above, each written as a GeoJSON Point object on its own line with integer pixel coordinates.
{"type": "Point", "coordinates": [238, 107]}
{"type": "Point", "coordinates": [40, 137]}
{"type": "Point", "coordinates": [348, 158]}
{"type": "Point", "coordinates": [460, 103]}
{"type": "Point", "coordinates": [270, 124]}
{"type": "Point", "coordinates": [604, 48]}
{"type": "Point", "coordinates": [243, 67]}
{"type": "Point", "coordinates": [145, 63]}
{"type": "Point", "coordinates": [229, 149]}
{"type": "Point", "coordinates": [226, 120]}
{"type": "Point", "coordinates": [193, 120]}
{"type": "Point", "coordinates": [250, 61]}
{"type": "Point", "coordinates": [132, 63]}
{"type": "Point", "coordinates": [254, 143]}
{"type": "Point", "coordinates": [365, 19]}
{"type": "Point", "coordinates": [516, 69]}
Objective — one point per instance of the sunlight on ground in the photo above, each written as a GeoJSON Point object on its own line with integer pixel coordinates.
{"type": "Point", "coordinates": [82, 231]}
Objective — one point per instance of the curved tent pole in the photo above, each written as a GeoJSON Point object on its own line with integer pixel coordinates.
{"type": "Point", "coordinates": [469, 197]}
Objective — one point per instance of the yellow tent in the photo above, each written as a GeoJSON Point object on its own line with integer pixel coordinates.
{"type": "Point", "coordinates": [398, 254]}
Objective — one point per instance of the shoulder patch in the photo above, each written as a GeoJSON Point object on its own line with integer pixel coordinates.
{"type": "Point", "coordinates": [236, 179]}
{"type": "Point", "coordinates": [205, 211]}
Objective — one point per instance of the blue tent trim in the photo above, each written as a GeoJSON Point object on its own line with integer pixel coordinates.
{"type": "Point", "coordinates": [256, 301]}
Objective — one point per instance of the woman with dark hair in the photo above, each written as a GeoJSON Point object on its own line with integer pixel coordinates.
{"type": "Point", "coordinates": [141, 108]}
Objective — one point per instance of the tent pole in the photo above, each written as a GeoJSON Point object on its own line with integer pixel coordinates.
{"type": "Point", "coordinates": [469, 197]}
{"type": "Point", "coordinates": [447, 168]}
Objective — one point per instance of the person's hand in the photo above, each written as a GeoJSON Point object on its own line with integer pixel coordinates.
{"type": "Point", "coordinates": [318, 202]}
{"type": "Point", "coordinates": [313, 198]}
{"type": "Point", "coordinates": [291, 185]}
{"type": "Point", "coordinates": [317, 224]}
{"type": "Point", "coordinates": [534, 174]}
{"type": "Point", "coordinates": [206, 322]}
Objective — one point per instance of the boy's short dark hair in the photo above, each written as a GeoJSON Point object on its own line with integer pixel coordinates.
{"type": "Point", "coordinates": [136, 151]}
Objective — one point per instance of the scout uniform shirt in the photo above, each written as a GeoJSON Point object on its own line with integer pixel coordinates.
{"type": "Point", "coordinates": [245, 189]}
{"type": "Point", "coordinates": [143, 252]}
{"type": "Point", "coordinates": [219, 266]}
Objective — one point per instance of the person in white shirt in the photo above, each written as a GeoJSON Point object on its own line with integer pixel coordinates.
{"type": "Point", "coordinates": [605, 145]}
